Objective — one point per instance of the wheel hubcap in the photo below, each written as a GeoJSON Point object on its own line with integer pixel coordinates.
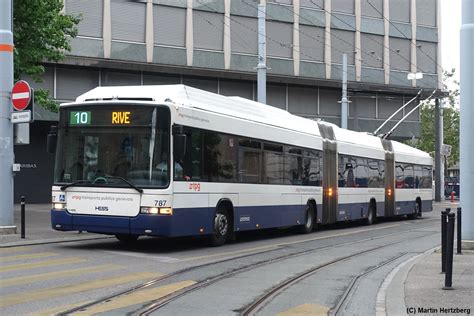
{"type": "Point", "coordinates": [221, 224]}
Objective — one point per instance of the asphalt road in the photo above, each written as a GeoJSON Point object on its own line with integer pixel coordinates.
{"type": "Point", "coordinates": [340, 267]}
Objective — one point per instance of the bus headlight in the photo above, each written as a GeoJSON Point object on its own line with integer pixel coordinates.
{"type": "Point", "coordinates": [156, 210]}
{"type": "Point", "coordinates": [59, 206]}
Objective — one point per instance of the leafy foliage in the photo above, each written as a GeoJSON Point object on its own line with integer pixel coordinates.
{"type": "Point", "coordinates": [41, 32]}
{"type": "Point", "coordinates": [451, 122]}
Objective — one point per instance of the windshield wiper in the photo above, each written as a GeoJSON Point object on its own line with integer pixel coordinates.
{"type": "Point", "coordinates": [127, 182]}
{"type": "Point", "coordinates": [64, 187]}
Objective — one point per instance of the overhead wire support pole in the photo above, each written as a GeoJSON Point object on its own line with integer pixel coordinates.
{"type": "Point", "coordinates": [344, 101]}
{"type": "Point", "coordinates": [396, 112]}
{"type": "Point", "coordinates": [261, 67]}
{"type": "Point", "coordinates": [386, 135]}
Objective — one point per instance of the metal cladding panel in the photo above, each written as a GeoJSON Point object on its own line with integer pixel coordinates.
{"type": "Point", "coordinates": [388, 105]}
{"type": "Point", "coordinates": [373, 44]}
{"type": "Point", "coordinates": [426, 12]}
{"type": "Point", "coordinates": [312, 43]}
{"type": "Point", "coordinates": [342, 6]}
{"type": "Point", "coordinates": [91, 13]}
{"type": "Point", "coordinates": [372, 8]}
{"type": "Point", "coordinates": [362, 107]}
{"type": "Point", "coordinates": [281, 35]}
{"type": "Point", "coordinates": [400, 53]}
{"type": "Point", "coordinates": [342, 42]}
{"type": "Point", "coordinates": [276, 96]}
{"type": "Point", "coordinates": [315, 4]}
{"type": "Point", "coordinates": [169, 25]}
{"type": "Point", "coordinates": [303, 101]}
{"type": "Point", "coordinates": [201, 83]}
{"type": "Point", "coordinates": [400, 10]}
{"type": "Point", "coordinates": [243, 34]}
{"type": "Point", "coordinates": [47, 83]}
{"type": "Point", "coordinates": [426, 56]}
{"type": "Point", "coordinates": [328, 102]}
{"type": "Point", "coordinates": [128, 21]}
{"type": "Point", "coordinates": [72, 82]}
{"type": "Point", "coordinates": [208, 30]}
{"type": "Point", "coordinates": [112, 78]}
{"type": "Point", "coordinates": [242, 89]}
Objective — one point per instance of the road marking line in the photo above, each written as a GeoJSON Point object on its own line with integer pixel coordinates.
{"type": "Point", "coordinates": [58, 310]}
{"type": "Point", "coordinates": [306, 309]}
{"type": "Point", "coordinates": [136, 298]}
{"type": "Point", "coordinates": [28, 256]}
{"type": "Point", "coordinates": [54, 262]}
{"type": "Point", "coordinates": [14, 249]}
{"type": "Point", "coordinates": [24, 297]}
{"type": "Point", "coordinates": [56, 274]}
{"type": "Point", "coordinates": [270, 247]}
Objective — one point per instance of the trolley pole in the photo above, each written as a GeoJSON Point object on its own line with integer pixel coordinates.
{"type": "Point", "coordinates": [262, 57]}
{"type": "Point", "coordinates": [6, 127]}
{"type": "Point", "coordinates": [467, 126]}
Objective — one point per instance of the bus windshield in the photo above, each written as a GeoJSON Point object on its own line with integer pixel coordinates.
{"type": "Point", "coordinates": [104, 144]}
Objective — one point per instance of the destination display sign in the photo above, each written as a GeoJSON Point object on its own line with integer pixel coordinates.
{"type": "Point", "coordinates": [109, 116]}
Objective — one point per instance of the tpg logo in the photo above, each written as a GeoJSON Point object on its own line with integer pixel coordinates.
{"type": "Point", "coordinates": [102, 208]}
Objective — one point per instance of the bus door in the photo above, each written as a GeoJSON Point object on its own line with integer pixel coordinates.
{"type": "Point", "coordinates": [389, 178]}
{"type": "Point", "coordinates": [329, 214]}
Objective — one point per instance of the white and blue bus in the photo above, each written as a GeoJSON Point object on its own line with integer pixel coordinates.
{"type": "Point", "coordinates": [178, 161]}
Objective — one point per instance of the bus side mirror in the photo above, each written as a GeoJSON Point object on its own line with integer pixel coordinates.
{"type": "Point", "coordinates": [52, 140]}
{"type": "Point", "coordinates": [179, 146]}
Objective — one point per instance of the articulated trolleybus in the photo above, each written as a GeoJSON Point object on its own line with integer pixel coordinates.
{"type": "Point", "coordinates": [177, 161]}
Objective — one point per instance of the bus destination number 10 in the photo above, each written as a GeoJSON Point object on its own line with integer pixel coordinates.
{"type": "Point", "coordinates": [80, 118]}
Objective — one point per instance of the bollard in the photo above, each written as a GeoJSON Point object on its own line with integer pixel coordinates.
{"type": "Point", "coordinates": [444, 221]}
{"type": "Point", "coordinates": [459, 231]}
{"type": "Point", "coordinates": [22, 202]}
{"type": "Point", "coordinates": [448, 278]}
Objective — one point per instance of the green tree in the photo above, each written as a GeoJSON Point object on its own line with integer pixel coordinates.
{"type": "Point", "coordinates": [41, 32]}
{"type": "Point", "coordinates": [426, 142]}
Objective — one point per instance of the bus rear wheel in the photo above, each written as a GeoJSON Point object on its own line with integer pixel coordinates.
{"type": "Point", "coordinates": [371, 215]}
{"type": "Point", "coordinates": [221, 228]}
{"type": "Point", "coordinates": [126, 239]}
{"type": "Point", "coordinates": [309, 220]}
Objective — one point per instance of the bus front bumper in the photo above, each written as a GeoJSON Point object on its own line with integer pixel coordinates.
{"type": "Point", "coordinates": [181, 223]}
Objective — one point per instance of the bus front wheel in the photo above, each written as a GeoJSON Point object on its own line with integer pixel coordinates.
{"type": "Point", "coordinates": [221, 228]}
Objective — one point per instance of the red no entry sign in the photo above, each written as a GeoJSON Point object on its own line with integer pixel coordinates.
{"type": "Point", "coordinates": [21, 95]}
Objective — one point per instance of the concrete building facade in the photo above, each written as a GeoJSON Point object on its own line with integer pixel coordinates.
{"type": "Point", "coordinates": [212, 45]}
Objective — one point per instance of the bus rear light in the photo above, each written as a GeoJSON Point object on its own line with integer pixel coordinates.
{"type": "Point", "coordinates": [389, 192]}
{"type": "Point", "coordinates": [156, 210]}
{"type": "Point", "coordinates": [330, 191]}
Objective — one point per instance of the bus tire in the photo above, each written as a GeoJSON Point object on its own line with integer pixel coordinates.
{"type": "Point", "coordinates": [308, 225]}
{"type": "Point", "coordinates": [370, 220]}
{"type": "Point", "coordinates": [419, 212]}
{"type": "Point", "coordinates": [221, 227]}
{"type": "Point", "coordinates": [127, 239]}
{"type": "Point", "coordinates": [416, 211]}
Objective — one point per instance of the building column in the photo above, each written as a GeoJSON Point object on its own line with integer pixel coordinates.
{"type": "Point", "coordinates": [149, 35]}
{"type": "Point", "coordinates": [327, 40]}
{"type": "Point", "coordinates": [386, 41]}
{"type": "Point", "coordinates": [189, 34]}
{"type": "Point", "coordinates": [358, 55]}
{"type": "Point", "coordinates": [413, 65]}
{"type": "Point", "coordinates": [296, 37]}
{"type": "Point", "coordinates": [227, 39]}
{"type": "Point", "coordinates": [107, 29]}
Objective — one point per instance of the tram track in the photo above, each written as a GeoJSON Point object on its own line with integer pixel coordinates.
{"type": "Point", "coordinates": [159, 303]}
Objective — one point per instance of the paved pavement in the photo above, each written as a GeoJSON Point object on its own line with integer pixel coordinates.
{"type": "Point", "coordinates": [413, 288]}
